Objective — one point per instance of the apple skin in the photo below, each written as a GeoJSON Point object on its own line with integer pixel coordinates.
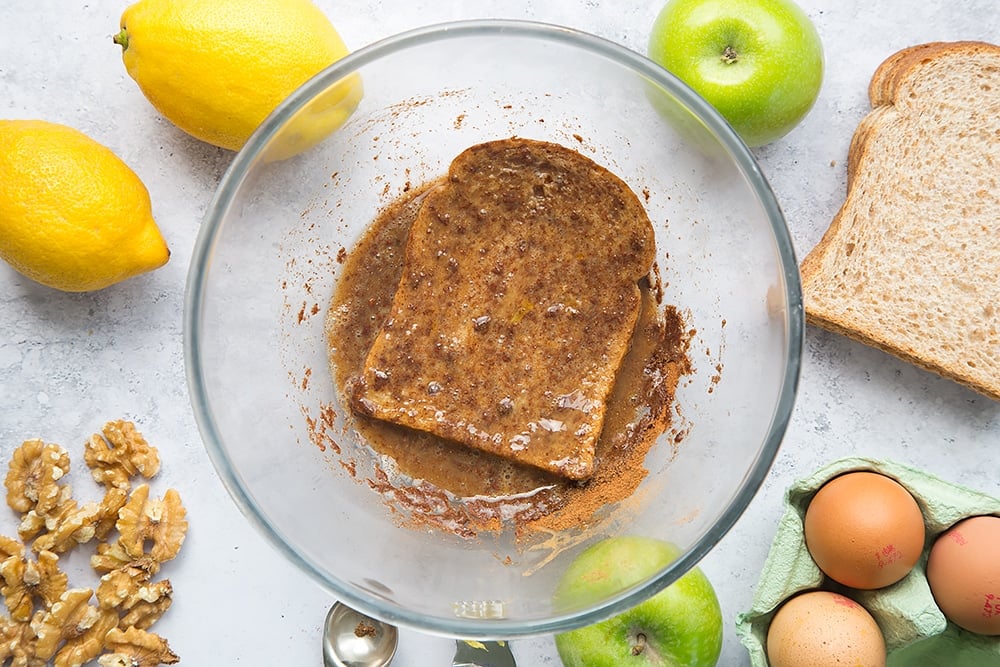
{"type": "Point", "coordinates": [681, 626]}
{"type": "Point", "coordinates": [758, 62]}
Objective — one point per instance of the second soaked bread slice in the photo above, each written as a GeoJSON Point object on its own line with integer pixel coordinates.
{"type": "Point", "coordinates": [516, 305]}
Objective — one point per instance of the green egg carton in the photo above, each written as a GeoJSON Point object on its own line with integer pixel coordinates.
{"type": "Point", "coordinates": [916, 632]}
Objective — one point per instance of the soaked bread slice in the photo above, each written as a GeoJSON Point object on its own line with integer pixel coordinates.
{"type": "Point", "coordinates": [517, 303]}
{"type": "Point", "coordinates": [911, 262]}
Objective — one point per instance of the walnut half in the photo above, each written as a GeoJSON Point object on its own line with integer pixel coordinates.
{"type": "Point", "coordinates": [27, 581]}
{"type": "Point", "coordinates": [140, 601]}
{"type": "Point", "coordinates": [73, 631]}
{"type": "Point", "coordinates": [158, 521]}
{"type": "Point", "coordinates": [119, 453]}
{"type": "Point", "coordinates": [32, 479]}
{"type": "Point", "coordinates": [136, 648]}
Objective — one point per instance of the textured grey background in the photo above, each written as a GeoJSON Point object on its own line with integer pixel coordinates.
{"type": "Point", "coordinates": [69, 362]}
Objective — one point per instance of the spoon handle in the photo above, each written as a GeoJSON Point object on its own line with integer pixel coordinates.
{"type": "Point", "coordinates": [482, 654]}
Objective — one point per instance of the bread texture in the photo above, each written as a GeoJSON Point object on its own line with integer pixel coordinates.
{"type": "Point", "coordinates": [516, 306]}
{"type": "Point", "coordinates": [911, 262]}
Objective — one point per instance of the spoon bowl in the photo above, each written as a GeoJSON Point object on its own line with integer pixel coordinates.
{"type": "Point", "coordinates": [351, 639]}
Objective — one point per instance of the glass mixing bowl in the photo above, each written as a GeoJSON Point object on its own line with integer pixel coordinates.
{"type": "Point", "coordinates": [269, 256]}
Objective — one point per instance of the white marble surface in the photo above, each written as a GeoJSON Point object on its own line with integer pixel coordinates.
{"type": "Point", "coordinates": [70, 362]}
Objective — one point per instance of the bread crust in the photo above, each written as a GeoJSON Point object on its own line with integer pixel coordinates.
{"type": "Point", "coordinates": [889, 89]}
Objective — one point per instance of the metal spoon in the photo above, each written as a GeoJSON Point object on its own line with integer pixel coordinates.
{"type": "Point", "coordinates": [351, 639]}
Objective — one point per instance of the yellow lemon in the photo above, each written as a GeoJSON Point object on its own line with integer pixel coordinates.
{"type": "Point", "coordinates": [73, 216]}
{"type": "Point", "coordinates": [217, 68]}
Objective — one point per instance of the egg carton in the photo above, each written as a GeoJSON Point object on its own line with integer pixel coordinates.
{"type": "Point", "coordinates": [915, 630]}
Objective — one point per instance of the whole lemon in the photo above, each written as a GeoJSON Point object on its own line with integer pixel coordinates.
{"type": "Point", "coordinates": [217, 68]}
{"type": "Point", "coordinates": [73, 216]}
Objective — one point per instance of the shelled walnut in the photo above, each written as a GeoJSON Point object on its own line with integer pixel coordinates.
{"type": "Point", "coordinates": [137, 598]}
{"type": "Point", "coordinates": [72, 632]}
{"type": "Point", "coordinates": [32, 479]}
{"type": "Point", "coordinates": [160, 522]}
{"type": "Point", "coordinates": [121, 454]}
{"type": "Point", "coordinates": [136, 648]}
{"type": "Point", "coordinates": [51, 623]}
{"type": "Point", "coordinates": [111, 556]}
{"type": "Point", "coordinates": [26, 581]}
{"type": "Point", "coordinates": [71, 525]}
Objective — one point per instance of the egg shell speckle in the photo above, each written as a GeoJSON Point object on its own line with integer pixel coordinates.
{"type": "Point", "coordinates": [915, 630]}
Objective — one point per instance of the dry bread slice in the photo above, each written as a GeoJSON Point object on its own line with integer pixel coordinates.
{"type": "Point", "coordinates": [911, 262]}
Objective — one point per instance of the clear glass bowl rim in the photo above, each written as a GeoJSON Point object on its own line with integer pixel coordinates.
{"type": "Point", "coordinates": [248, 157]}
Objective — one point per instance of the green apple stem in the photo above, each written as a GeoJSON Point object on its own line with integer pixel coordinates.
{"type": "Point", "coordinates": [640, 644]}
{"type": "Point", "coordinates": [729, 55]}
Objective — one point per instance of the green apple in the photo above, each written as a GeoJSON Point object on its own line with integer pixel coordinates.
{"type": "Point", "coordinates": [681, 626]}
{"type": "Point", "coordinates": [758, 62]}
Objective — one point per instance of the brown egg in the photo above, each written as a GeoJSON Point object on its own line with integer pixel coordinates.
{"type": "Point", "coordinates": [821, 629]}
{"type": "Point", "coordinates": [864, 530]}
{"type": "Point", "coordinates": [963, 570]}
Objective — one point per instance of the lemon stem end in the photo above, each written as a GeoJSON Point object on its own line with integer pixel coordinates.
{"type": "Point", "coordinates": [121, 39]}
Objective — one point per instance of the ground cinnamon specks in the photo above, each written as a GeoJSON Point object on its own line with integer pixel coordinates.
{"type": "Point", "coordinates": [365, 630]}
{"type": "Point", "coordinates": [320, 429]}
